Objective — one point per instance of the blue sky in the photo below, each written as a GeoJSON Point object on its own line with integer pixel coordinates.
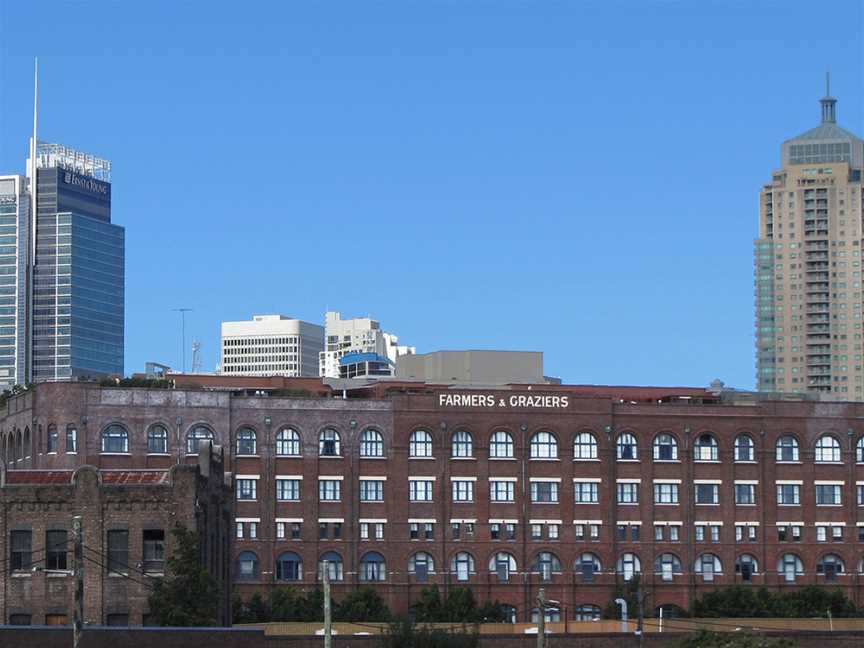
{"type": "Point", "coordinates": [579, 178]}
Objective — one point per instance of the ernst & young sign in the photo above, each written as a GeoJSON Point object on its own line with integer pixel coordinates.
{"type": "Point", "coordinates": [513, 401]}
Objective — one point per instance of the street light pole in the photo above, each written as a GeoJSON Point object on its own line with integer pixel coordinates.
{"type": "Point", "coordinates": [182, 312]}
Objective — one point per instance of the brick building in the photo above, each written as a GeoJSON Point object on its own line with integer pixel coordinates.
{"type": "Point", "coordinates": [572, 488]}
{"type": "Point", "coordinates": [127, 518]}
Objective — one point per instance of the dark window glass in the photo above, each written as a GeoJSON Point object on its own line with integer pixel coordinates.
{"type": "Point", "coordinates": [56, 550]}
{"type": "Point", "coordinates": [154, 550]}
{"type": "Point", "coordinates": [21, 543]}
{"type": "Point", "coordinates": [19, 619]}
{"type": "Point", "coordinates": [118, 551]}
{"type": "Point", "coordinates": [117, 620]}
{"type": "Point", "coordinates": [157, 440]}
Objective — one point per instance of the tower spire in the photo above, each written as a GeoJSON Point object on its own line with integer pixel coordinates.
{"type": "Point", "coordinates": [33, 144]}
{"type": "Point", "coordinates": [829, 103]}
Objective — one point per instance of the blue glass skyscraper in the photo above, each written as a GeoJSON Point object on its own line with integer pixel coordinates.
{"type": "Point", "coordinates": [78, 269]}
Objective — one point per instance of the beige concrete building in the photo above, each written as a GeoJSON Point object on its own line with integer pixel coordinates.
{"type": "Point", "coordinates": [808, 266]}
{"type": "Point", "coordinates": [271, 345]}
{"type": "Point", "coordinates": [474, 367]}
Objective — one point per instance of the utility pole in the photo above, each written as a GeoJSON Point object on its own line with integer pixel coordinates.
{"type": "Point", "coordinates": [328, 629]}
{"type": "Point", "coordinates": [541, 618]}
{"type": "Point", "coordinates": [182, 312]}
{"type": "Point", "coordinates": [640, 600]}
{"type": "Point", "coordinates": [78, 622]}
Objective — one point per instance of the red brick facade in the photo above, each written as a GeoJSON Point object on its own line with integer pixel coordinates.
{"type": "Point", "coordinates": [699, 454]}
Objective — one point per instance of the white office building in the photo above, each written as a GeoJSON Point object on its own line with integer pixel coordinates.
{"type": "Point", "coordinates": [353, 346]}
{"type": "Point", "coordinates": [271, 345]}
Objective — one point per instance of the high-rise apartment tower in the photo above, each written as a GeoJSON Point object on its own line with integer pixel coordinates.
{"type": "Point", "coordinates": [808, 266]}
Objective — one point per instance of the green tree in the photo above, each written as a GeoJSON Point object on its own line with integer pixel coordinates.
{"type": "Point", "coordinates": [188, 595]}
{"type": "Point", "coordinates": [363, 604]}
{"type": "Point", "coordinates": [405, 634]}
{"type": "Point", "coordinates": [741, 601]}
{"type": "Point", "coordinates": [429, 608]}
{"type": "Point", "coordinates": [627, 591]}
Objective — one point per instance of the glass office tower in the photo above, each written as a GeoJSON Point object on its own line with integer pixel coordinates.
{"type": "Point", "coordinates": [78, 269]}
{"type": "Point", "coordinates": [14, 283]}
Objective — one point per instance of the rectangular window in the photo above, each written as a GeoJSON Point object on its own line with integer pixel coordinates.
{"type": "Point", "coordinates": [821, 534]}
{"type": "Point", "coordinates": [544, 492]}
{"type": "Point", "coordinates": [463, 491]}
{"type": "Point", "coordinates": [495, 531]}
{"type": "Point", "coordinates": [699, 533]}
{"type": "Point", "coordinates": [628, 493]}
{"type": "Point", "coordinates": [594, 530]}
{"type": "Point", "coordinates": [280, 530]}
{"type": "Point", "coordinates": [707, 494]}
{"type": "Point", "coordinates": [379, 530]}
{"type": "Point", "coordinates": [745, 493]}
{"type": "Point", "coordinates": [371, 490]}
{"type": "Point", "coordinates": [579, 530]}
{"type": "Point", "coordinates": [329, 490]}
{"type": "Point", "coordinates": [837, 533]}
{"type": "Point", "coordinates": [118, 551]}
{"type": "Point", "coordinates": [788, 494]}
{"type": "Point", "coordinates": [56, 549]}
{"type": "Point", "coordinates": [586, 492]}
{"type": "Point", "coordinates": [288, 490]}
{"type": "Point", "coordinates": [364, 530]}
{"type": "Point", "coordinates": [536, 531]}
{"type": "Point", "coordinates": [673, 534]}
{"type": "Point", "coordinates": [420, 490]}
{"type": "Point", "coordinates": [552, 531]}
{"type": "Point", "coordinates": [751, 533]}
{"type": "Point", "coordinates": [665, 493]}
{"type": "Point", "coordinates": [827, 495]}
{"type": "Point", "coordinates": [658, 533]}
{"type": "Point", "coordinates": [247, 489]}
{"type": "Point", "coordinates": [295, 530]}
{"type": "Point", "coordinates": [860, 490]}
{"type": "Point", "coordinates": [501, 491]}
{"type": "Point", "coordinates": [455, 530]}
{"type": "Point", "coordinates": [239, 533]}
{"type": "Point", "coordinates": [71, 439]}
{"type": "Point", "coordinates": [715, 533]}
{"type": "Point", "coordinates": [154, 549]}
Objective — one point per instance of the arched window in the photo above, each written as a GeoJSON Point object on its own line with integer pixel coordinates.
{"type": "Point", "coordinates": [628, 565]}
{"type": "Point", "coordinates": [626, 447]}
{"type": "Point", "coordinates": [585, 446]}
{"type": "Point", "coordinates": [462, 564]}
{"type": "Point", "coordinates": [744, 448]}
{"type": "Point", "coordinates": [501, 445]}
{"type": "Point", "coordinates": [329, 443]}
{"type": "Point", "coordinates": [665, 447]}
{"type": "Point", "coordinates": [545, 564]}
{"type": "Point", "coordinates": [371, 444]}
{"type": "Point", "coordinates": [508, 613]}
{"type": "Point", "coordinates": [830, 565]}
{"type": "Point", "coordinates": [746, 565]}
{"type": "Point", "coordinates": [71, 439]}
{"type": "Point", "coordinates": [288, 443]}
{"type": "Point", "coordinates": [420, 444]}
{"type": "Point", "coordinates": [247, 566]}
{"type": "Point", "coordinates": [827, 449]}
{"type": "Point", "coordinates": [53, 439]}
{"type": "Point", "coordinates": [503, 564]}
{"type": "Point", "coordinates": [289, 567]}
{"type": "Point", "coordinates": [247, 442]}
{"type": "Point", "coordinates": [372, 567]}
{"type": "Point", "coordinates": [115, 439]}
{"type": "Point", "coordinates": [157, 439]}
{"type": "Point", "coordinates": [334, 566]}
{"type": "Point", "coordinates": [587, 612]}
{"type": "Point", "coordinates": [859, 450]}
{"type": "Point", "coordinates": [196, 436]}
{"type": "Point", "coordinates": [789, 566]}
{"type": "Point", "coordinates": [587, 564]}
{"type": "Point", "coordinates": [421, 564]}
{"type": "Point", "coordinates": [667, 565]}
{"type": "Point", "coordinates": [544, 445]}
{"type": "Point", "coordinates": [553, 615]}
{"type": "Point", "coordinates": [706, 448]}
{"type": "Point", "coordinates": [787, 448]}
{"type": "Point", "coordinates": [708, 564]}
{"type": "Point", "coordinates": [462, 445]}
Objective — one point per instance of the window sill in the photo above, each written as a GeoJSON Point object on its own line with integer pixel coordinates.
{"type": "Point", "coordinates": [324, 456]}
{"type": "Point", "coordinates": [246, 500]}
{"type": "Point", "coordinates": [502, 458]}
{"type": "Point", "coordinates": [287, 501]}
{"type": "Point", "coordinates": [828, 463]}
{"type": "Point", "coordinates": [247, 456]}
{"type": "Point", "coordinates": [707, 461]}
{"type": "Point", "coordinates": [17, 574]}
{"type": "Point", "coordinates": [421, 458]}
{"type": "Point", "coordinates": [667, 504]}
{"type": "Point", "coordinates": [53, 452]}
{"type": "Point", "coordinates": [628, 460]}
{"type": "Point", "coordinates": [707, 504]}
{"type": "Point", "coordinates": [744, 505]}
{"type": "Point", "coordinates": [788, 463]}
{"type": "Point", "coordinates": [586, 503]}
{"type": "Point", "coordinates": [158, 454]}
{"type": "Point", "coordinates": [581, 459]}
{"type": "Point", "coordinates": [463, 458]}
{"type": "Point", "coordinates": [57, 573]}
{"type": "Point", "coordinates": [628, 503]}
{"type": "Point", "coordinates": [829, 505]}
{"type": "Point", "coordinates": [116, 454]}
{"type": "Point", "coordinates": [362, 457]}
{"type": "Point", "coordinates": [502, 501]}
{"type": "Point", "coordinates": [75, 452]}
{"type": "Point", "coordinates": [667, 461]}
{"type": "Point", "coordinates": [745, 461]}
